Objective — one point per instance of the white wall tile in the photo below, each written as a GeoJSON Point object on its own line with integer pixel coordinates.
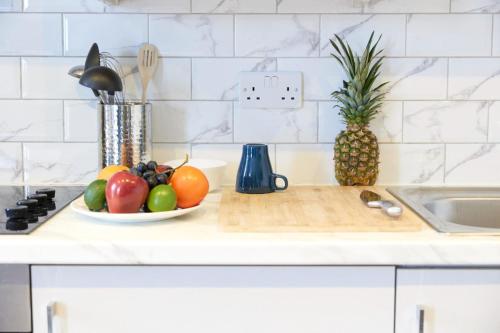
{"type": "Point", "coordinates": [60, 163]}
{"type": "Point", "coordinates": [318, 6]}
{"type": "Point", "coordinates": [217, 79]}
{"type": "Point", "coordinates": [192, 35]}
{"type": "Point", "coordinates": [410, 78]}
{"type": "Point", "coordinates": [276, 125]}
{"type": "Point", "coordinates": [120, 35]}
{"type": "Point", "coordinates": [494, 122]}
{"type": "Point", "coordinates": [306, 164]}
{"type": "Point", "coordinates": [330, 124]}
{"type": "Point", "coordinates": [150, 6]}
{"type": "Point", "coordinates": [370, 6]}
{"type": "Point", "coordinates": [476, 79]}
{"type": "Point", "coordinates": [47, 78]}
{"type": "Point", "coordinates": [31, 120]}
{"type": "Point", "coordinates": [80, 121]}
{"type": "Point", "coordinates": [448, 35]}
{"type": "Point", "coordinates": [171, 81]}
{"type": "Point", "coordinates": [234, 6]}
{"type": "Point", "coordinates": [192, 122]}
{"type": "Point", "coordinates": [387, 125]}
{"type": "Point", "coordinates": [320, 76]}
{"type": "Point", "coordinates": [405, 6]}
{"type": "Point", "coordinates": [356, 29]}
{"type": "Point", "coordinates": [445, 121]}
{"type": "Point", "coordinates": [10, 72]}
{"type": "Point", "coordinates": [11, 164]}
{"type": "Point", "coordinates": [415, 78]}
{"type": "Point", "coordinates": [475, 6]}
{"type": "Point", "coordinates": [411, 164]}
{"type": "Point", "coordinates": [164, 152]}
{"type": "Point", "coordinates": [496, 35]}
{"type": "Point", "coordinates": [11, 5]}
{"type": "Point", "coordinates": [63, 6]}
{"type": "Point", "coordinates": [290, 35]}
{"type": "Point", "coordinates": [231, 153]}
{"type": "Point", "coordinates": [30, 34]}
{"type": "Point", "coordinates": [193, 97]}
{"type": "Point", "coordinates": [473, 164]}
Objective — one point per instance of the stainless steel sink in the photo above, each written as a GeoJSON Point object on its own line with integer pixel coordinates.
{"type": "Point", "coordinates": [453, 209]}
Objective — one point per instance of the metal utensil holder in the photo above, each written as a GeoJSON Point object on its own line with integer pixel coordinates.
{"type": "Point", "coordinates": [125, 134]}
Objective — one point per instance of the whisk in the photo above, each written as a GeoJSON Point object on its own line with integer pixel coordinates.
{"type": "Point", "coordinates": [108, 60]}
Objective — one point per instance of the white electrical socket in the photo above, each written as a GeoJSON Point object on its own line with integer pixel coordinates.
{"type": "Point", "coordinates": [270, 90]}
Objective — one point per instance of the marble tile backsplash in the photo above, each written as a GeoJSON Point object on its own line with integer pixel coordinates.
{"type": "Point", "coordinates": [440, 123]}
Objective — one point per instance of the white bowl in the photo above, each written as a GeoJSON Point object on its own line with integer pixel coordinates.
{"type": "Point", "coordinates": [213, 169]}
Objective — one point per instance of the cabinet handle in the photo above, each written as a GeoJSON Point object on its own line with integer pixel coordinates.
{"type": "Point", "coordinates": [420, 319]}
{"type": "Point", "coordinates": [51, 309]}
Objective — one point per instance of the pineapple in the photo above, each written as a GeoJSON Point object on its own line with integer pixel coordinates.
{"type": "Point", "coordinates": [359, 100]}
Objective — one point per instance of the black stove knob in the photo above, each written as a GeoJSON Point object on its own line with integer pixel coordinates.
{"type": "Point", "coordinates": [41, 198]}
{"type": "Point", "coordinates": [50, 192]}
{"type": "Point", "coordinates": [30, 203]}
{"type": "Point", "coordinates": [17, 212]}
{"type": "Point", "coordinates": [16, 224]}
{"type": "Point", "coordinates": [32, 219]}
{"type": "Point", "coordinates": [51, 205]}
{"type": "Point", "coordinates": [39, 211]}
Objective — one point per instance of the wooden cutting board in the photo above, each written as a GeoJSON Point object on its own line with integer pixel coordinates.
{"type": "Point", "coordinates": [310, 209]}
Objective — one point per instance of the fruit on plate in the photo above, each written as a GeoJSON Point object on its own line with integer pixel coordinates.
{"type": "Point", "coordinates": [153, 173]}
{"type": "Point", "coordinates": [190, 185]}
{"type": "Point", "coordinates": [110, 170]}
{"type": "Point", "coordinates": [126, 193]}
{"type": "Point", "coordinates": [95, 195]}
{"type": "Point", "coordinates": [359, 100]}
{"type": "Point", "coordinates": [162, 198]}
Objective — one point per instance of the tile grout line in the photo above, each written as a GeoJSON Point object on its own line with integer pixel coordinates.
{"type": "Point", "coordinates": [62, 35]}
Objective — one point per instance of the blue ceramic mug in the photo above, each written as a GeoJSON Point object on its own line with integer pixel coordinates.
{"type": "Point", "coordinates": [255, 174]}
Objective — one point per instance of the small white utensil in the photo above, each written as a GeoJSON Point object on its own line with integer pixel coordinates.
{"type": "Point", "coordinates": [147, 61]}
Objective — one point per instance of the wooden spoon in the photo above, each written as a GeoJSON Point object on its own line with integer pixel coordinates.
{"type": "Point", "coordinates": [147, 61]}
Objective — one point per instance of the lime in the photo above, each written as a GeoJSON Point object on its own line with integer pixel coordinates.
{"type": "Point", "coordinates": [162, 198]}
{"type": "Point", "coordinates": [95, 195]}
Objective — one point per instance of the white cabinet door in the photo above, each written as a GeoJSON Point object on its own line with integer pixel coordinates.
{"type": "Point", "coordinates": [205, 299]}
{"type": "Point", "coordinates": [452, 300]}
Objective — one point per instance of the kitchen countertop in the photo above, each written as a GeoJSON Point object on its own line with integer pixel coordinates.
{"type": "Point", "coordinates": [197, 239]}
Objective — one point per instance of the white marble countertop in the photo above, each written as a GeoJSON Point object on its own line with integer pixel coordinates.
{"type": "Point", "coordinates": [196, 239]}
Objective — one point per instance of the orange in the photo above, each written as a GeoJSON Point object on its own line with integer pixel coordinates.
{"type": "Point", "coordinates": [190, 185]}
{"type": "Point", "coordinates": [110, 170]}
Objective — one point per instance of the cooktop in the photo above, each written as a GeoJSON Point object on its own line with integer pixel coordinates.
{"type": "Point", "coordinates": [28, 207]}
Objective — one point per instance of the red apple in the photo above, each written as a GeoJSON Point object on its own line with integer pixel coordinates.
{"type": "Point", "coordinates": [126, 193]}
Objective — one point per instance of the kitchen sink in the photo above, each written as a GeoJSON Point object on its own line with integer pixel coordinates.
{"type": "Point", "coordinates": [453, 209]}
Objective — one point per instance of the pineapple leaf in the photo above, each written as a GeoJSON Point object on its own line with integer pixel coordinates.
{"type": "Point", "coordinates": [360, 97]}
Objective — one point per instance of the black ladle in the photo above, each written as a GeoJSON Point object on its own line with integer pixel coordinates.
{"type": "Point", "coordinates": [102, 78]}
{"type": "Point", "coordinates": [93, 60]}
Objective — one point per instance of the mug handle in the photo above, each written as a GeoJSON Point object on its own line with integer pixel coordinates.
{"type": "Point", "coordinates": [276, 187]}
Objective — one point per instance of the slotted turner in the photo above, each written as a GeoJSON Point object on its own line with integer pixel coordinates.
{"type": "Point", "coordinates": [147, 61]}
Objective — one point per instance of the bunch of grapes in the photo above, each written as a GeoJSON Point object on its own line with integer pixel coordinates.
{"type": "Point", "coordinates": [153, 173]}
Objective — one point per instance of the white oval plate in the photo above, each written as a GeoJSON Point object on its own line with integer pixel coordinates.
{"type": "Point", "coordinates": [78, 205]}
